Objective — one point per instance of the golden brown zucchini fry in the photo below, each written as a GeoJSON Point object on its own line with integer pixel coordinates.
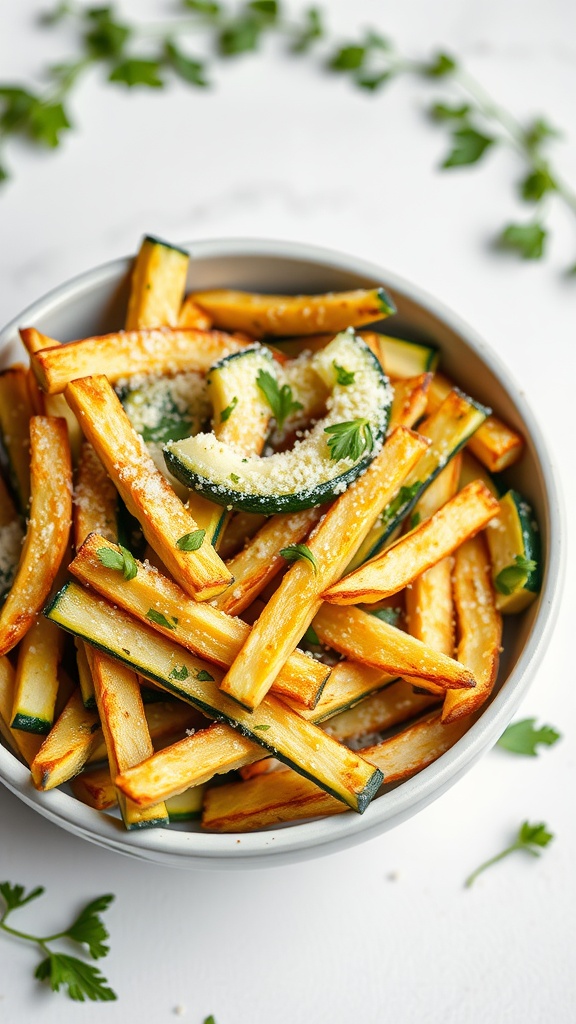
{"type": "Point", "coordinates": [52, 405]}
{"type": "Point", "coordinates": [479, 627]}
{"type": "Point", "coordinates": [410, 400]}
{"type": "Point", "coordinates": [147, 495]}
{"type": "Point", "coordinates": [157, 285]}
{"type": "Point", "coordinates": [294, 314]}
{"type": "Point", "coordinates": [153, 350]}
{"type": "Point", "coordinates": [435, 538]}
{"type": "Point", "coordinates": [192, 316]}
{"type": "Point", "coordinates": [68, 745]}
{"type": "Point", "coordinates": [291, 609]}
{"type": "Point", "coordinates": [365, 638]}
{"type": "Point", "coordinates": [36, 688]}
{"type": "Point", "coordinates": [48, 528]}
{"type": "Point", "coordinates": [15, 412]}
{"type": "Point", "coordinates": [95, 499]}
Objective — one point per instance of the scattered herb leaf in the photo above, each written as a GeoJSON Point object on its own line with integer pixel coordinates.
{"type": "Point", "coordinates": [513, 577]}
{"type": "Point", "coordinates": [468, 145]}
{"type": "Point", "coordinates": [311, 637]}
{"type": "Point", "coordinates": [160, 619]}
{"type": "Point", "coordinates": [261, 728]}
{"type": "Point", "coordinates": [526, 239]}
{"type": "Point", "coordinates": [136, 71]}
{"type": "Point", "coordinates": [530, 838]}
{"type": "Point", "coordinates": [234, 478]}
{"type": "Point", "coordinates": [191, 541]}
{"type": "Point", "coordinates": [227, 412]}
{"type": "Point", "coordinates": [204, 676]}
{"type": "Point", "coordinates": [349, 440]}
{"type": "Point", "coordinates": [389, 615]}
{"type": "Point", "coordinates": [123, 561]}
{"type": "Point", "coordinates": [524, 738]}
{"type": "Point", "coordinates": [279, 398]}
{"type": "Point", "coordinates": [309, 33]}
{"type": "Point", "coordinates": [297, 552]}
{"type": "Point", "coordinates": [180, 673]}
{"type": "Point", "coordinates": [190, 70]}
{"type": "Point", "coordinates": [343, 376]}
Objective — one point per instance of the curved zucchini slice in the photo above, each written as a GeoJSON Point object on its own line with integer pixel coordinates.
{"type": "Point", "coordinates": [241, 414]}
{"type": "Point", "coordinates": [295, 314]}
{"type": "Point", "coordinates": [306, 475]}
{"type": "Point", "coordinates": [514, 543]}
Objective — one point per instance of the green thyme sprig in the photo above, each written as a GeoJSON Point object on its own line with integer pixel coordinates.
{"type": "Point", "coordinates": [136, 54]}
{"type": "Point", "coordinates": [531, 839]}
{"type": "Point", "coordinates": [79, 979]}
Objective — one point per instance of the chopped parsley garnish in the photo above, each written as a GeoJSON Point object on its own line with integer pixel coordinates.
{"type": "Point", "coordinates": [227, 412]}
{"type": "Point", "coordinates": [349, 440]}
{"type": "Point", "coordinates": [191, 541]}
{"type": "Point", "coordinates": [402, 500]}
{"type": "Point", "coordinates": [531, 838]}
{"type": "Point", "coordinates": [513, 577]}
{"type": "Point", "coordinates": [234, 478]}
{"type": "Point", "coordinates": [311, 637]}
{"type": "Point", "coordinates": [261, 728]}
{"type": "Point", "coordinates": [343, 376]}
{"type": "Point", "coordinates": [297, 552]}
{"type": "Point", "coordinates": [523, 738]}
{"type": "Point", "coordinates": [160, 619]}
{"type": "Point", "coordinates": [388, 615]}
{"type": "Point", "coordinates": [180, 673]}
{"type": "Point", "coordinates": [204, 677]}
{"type": "Point", "coordinates": [279, 398]}
{"type": "Point", "coordinates": [122, 560]}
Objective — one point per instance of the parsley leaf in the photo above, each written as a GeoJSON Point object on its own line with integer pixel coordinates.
{"type": "Point", "coordinates": [445, 112]}
{"type": "Point", "coordinates": [191, 541]}
{"type": "Point", "coordinates": [204, 677]}
{"type": "Point", "coordinates": [122, 560]}
{"type": "Point", "coordinates": [297, 552]}
{"type": "Point", "coordinates": [348, 58]}
{"type": "Point", "coordinates": [350, 439]}
{"type": "Point", "coordinates": [523, 738]}
{"type": "Point", "coordinates": [209, 1020]}
{"type": "Point", "coordinates": [160, 619]}
{"type": "Point", "coordinates": [45, 123]}
{"type": "Point", "coordinates": [537, 184]}
{"type": "Point", "coordinates": [106, 37]}
{"type": "Point", "coordinates": [538, 132]}
{"type": "Point", "coordinates": [279, 398]}
{"type": "Point", "coordinates": [371, 81]}
{"type": "Point", "coordinates": [88, 928]}
{"type": "Point", "coordinates": [15, 896]}
{"type": "Point", "coordinates": [514, 577]}
{"type": "Point", "coordinates": [440, 66]}
{"type": "Point", "coordinates": [343, 376]}
{"type": "Point", "coordinates": [208, 8]}
{"type": "Point", "coordinates": [192, 71]}
{"type": "Point", "coordinates": [261, 728]}
{"type": "Point", "coordinates": [468, 146]}
{"type": "Point", "coordinates": [227, 412]}
{"type": "Point", "coordinates": [530, 838]}
{"type": "Point", "coordinates": [137, 71]}
{"type": "Point", "coordinates": [526, 239]}
{"type": "Point", "coordinates": [310, 32]}
{"type": "Point", "coordinates": [81, 980]}
{"type": "Point", "coordinates": [181, 673]}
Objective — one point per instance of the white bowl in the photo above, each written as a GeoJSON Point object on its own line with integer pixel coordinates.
{"type": "Point", "coordinates": [95, 303]}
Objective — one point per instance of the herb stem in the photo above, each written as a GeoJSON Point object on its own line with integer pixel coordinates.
{"type": "Point", "coordinates": [499, 856]}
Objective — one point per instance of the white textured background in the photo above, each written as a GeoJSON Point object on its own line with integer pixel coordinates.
{"type": "Point", "coordinates": [384, 932]}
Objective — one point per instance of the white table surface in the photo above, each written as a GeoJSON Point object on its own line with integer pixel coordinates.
{"type": "Point", "coordinates": [385, 931]}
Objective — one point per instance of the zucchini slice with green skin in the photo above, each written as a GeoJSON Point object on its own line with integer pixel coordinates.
{"type": "Point", "coordinates": [306, 475]}
{"type": "Point", "coordinates": [449, 428]}
{"type": "Point", "coordinates": [163, 408]}
{"type": "Point", "coordinates": [274, 725]}
{"type": "Point", "coordinates": [157, 286]}
{"type": "Point", "coordinates": [403, 358]}
{"type": "Point", "coordinates": [278, 315]}
{"type": "Point", "coordinates": [514, 544]}
{"type": "Point", "coordinates": [241, 414]}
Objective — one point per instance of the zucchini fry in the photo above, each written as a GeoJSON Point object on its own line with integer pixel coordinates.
{"type": "Point", "coordinates": [201, 628]}
{"type": "Point", "coordinates": [284, 796]}
{"type": "Point", "coordinates": [126, 353]}
{"type": "Point", "coordinates": [15, 412]}
{"type": "Point", "coordinates": [24, 744]}
{"type": "Point", "coordinates": [95, 499]}
{"type": "Point", "coordinates": [479, 626]}
{"type": "Point", "coordinates": [145, 492]}
{"type": "Point", "coordinates": [409, 402]}
{"type": "Point", "coordinates": [52, 405]}
{"type": "Point", "coordinates": [274, 726]}
{"type": "Point", "coordinates": [96, 789]}
{"type": "Point", "coordinates": [495, 444]}
{"type": "Point", "coordinates": [11, 537]}
{"type": "Point", "coordinates": [436, 538]}
{"type": "Point", "coordinates": [67, 746]}
{"type": "Point", "coordinates": [192, 316]}
{"type": "Point", "coordinates": [48, 529]}
{"type": "Point", "coordinates": [261, 561]}
{"type": "Point", "coordinates": [291, 609]}
{"type": "Point", "coordinates": [365, 638]}
{"type": "Point", "coordinates": [125, 730]}
{"type": "Point", "coordinates": [157, 285]}
{"type": "Point", "coordinates": [294, 314]}
{"type": "Point", "coordinates": [36, 688]}
{"type": "Point", "coordinates": [240, 529]}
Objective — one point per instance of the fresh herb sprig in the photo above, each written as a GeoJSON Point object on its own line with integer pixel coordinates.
{"type": "Point", "coordinates": [134, 54]}
{"type": "Point", "coordinates": [79, 979]}
{"type": "Point", "coordinates": [514, 576]}
{"type": "Point", "coordinates": [122, 561]}
{"type": "Point", "coordinates": [524, 738]}
{"type": "Point", "coordinates": [280, 399]}
{"type": "Point", "coordinates": [349, 439]}
{"type": "Point", "coordinates": [531, 839]}
{"type": "Point", "coordinates": [298, 553]}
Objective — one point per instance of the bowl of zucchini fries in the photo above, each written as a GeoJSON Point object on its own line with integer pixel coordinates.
{"type": "Point", "coordinates": [280, 550]}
